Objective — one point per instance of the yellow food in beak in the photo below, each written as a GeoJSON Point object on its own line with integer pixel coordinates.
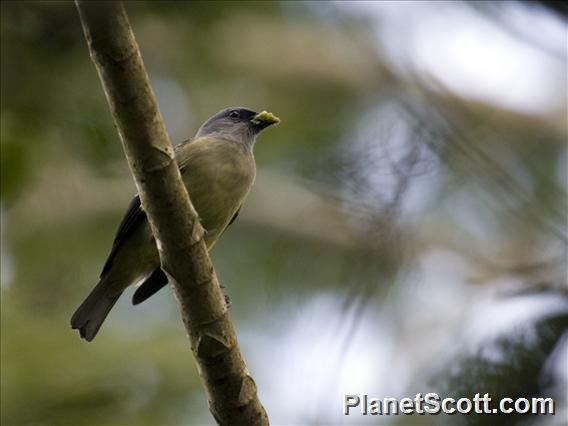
{"type": "Point", "coordinates": [265, 119]}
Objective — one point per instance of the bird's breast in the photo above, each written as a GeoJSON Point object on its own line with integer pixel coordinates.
{"type": "Point", "coordinates": [218, 178]}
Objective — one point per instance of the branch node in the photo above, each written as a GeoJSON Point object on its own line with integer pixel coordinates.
{"type": "Point", "coordinates": [248, 390]}
{"type": "Point", "coordinates": [158, 158]}
{"type": "Point", "coordinates": [211, 346]}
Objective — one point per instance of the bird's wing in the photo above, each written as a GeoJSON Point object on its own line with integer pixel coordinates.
{"type": "Point", "coordinates": [233, 218]}
{"type": "Point", "coordinates": [157, 280]}
{"type": "Point", "coordinates": [133, 218]}
{"type": "Point", "coordinates": [186, 151]}
{"type": "Point", "coordinates": [231, 221]}
{"type": "Point", "coordinates": [151, 286]}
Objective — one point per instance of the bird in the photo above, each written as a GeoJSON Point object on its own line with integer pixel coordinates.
{"type": "Point", "coordinates": [218, 169]}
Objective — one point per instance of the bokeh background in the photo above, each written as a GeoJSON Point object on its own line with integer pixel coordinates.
{"type": "Point", "coordinates": [406, 233]}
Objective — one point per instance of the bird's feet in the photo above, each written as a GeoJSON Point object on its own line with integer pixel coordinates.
{"type": "Point", "coordinates": [226, 296]}
{"type": "Point", "coordinates": [227, 301]}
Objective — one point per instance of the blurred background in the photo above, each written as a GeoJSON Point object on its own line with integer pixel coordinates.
{"type": "Point", "coordinates": [406, 232]}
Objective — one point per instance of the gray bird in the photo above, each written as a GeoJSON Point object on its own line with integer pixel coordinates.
{"type": "Point", "coordinates": [218, 169]}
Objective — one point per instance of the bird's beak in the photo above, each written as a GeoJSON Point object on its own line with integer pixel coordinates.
{"type": "Point", "coordinates": [264, 119]}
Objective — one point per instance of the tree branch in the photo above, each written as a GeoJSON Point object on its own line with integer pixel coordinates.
{"type": "Point", "coordinates": [230, 389]}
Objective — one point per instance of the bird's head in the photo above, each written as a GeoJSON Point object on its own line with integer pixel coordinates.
{"type": "Point", "coordinates": [239, 124]}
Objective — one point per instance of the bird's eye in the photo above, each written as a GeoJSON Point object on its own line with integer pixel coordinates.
{"type": "Point", "coordinates": [234, 114]}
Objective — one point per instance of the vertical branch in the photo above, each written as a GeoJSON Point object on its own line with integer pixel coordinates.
{"type": "Point", "coordinates": [230, 389]}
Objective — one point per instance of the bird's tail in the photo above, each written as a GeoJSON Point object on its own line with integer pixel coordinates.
{"type": "Point", "coordinates": [89, 317]}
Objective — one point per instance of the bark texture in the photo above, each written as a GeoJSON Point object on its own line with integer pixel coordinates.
{"type": "Point", "coordinates": [231, 391]}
